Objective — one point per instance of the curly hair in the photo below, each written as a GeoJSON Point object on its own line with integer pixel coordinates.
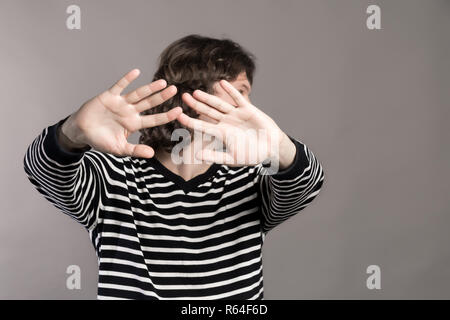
{"type": "Point", "coordinates": [190, 63]}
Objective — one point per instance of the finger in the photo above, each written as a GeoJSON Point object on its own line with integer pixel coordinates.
{"type": "Point", "coordinates": [234, 93]}
{"type": "Point", "coordinates": [158, 119]}
{"type": "Point", "coordinates": [139, 150]}
{"type": "Point", "coordinates": [215, 156]}
{"type": "Point", "coordinates": [200, 125]}
{"type": "Point", "coordinates": [156, 99]}
{"type": "Point", "coordinates": [213, 101]}
{"type": "Point", "coordinates": [145, 91]}
{"type": "Point", "coordinates": [118, 87]}
{"type": "Point", "coordinates": [202, 108]}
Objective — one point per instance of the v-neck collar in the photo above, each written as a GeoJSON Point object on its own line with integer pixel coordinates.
{"type": "Point", "coordinates": [185, 185]}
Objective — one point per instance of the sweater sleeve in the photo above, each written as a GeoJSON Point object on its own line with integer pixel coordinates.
{"type": "Point", "coordinates": [290, 190]}
{"type": "Point", "coordinates": [71, 181]}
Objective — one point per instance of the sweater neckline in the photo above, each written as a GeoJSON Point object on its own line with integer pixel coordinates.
{"type": "Point", "coordinates": [185, 185]}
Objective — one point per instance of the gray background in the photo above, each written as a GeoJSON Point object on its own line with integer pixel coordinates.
{"type": "Point", "coordinates": [372, 105]}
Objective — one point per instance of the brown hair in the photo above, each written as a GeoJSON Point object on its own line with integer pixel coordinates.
{"type": "Point", "coordinates": [190, 63]}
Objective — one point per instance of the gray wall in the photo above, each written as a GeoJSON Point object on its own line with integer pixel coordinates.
{"type": "Point", "coordinates": [373, 105]}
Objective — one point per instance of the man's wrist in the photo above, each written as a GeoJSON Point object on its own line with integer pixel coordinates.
{"type": "Point", "coordinates": [65, 137]}
{"type": "Point", "coordinates": [286, 151]}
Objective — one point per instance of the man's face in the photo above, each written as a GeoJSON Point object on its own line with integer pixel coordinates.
{"type": "Point", "coordinates": [241, 83]}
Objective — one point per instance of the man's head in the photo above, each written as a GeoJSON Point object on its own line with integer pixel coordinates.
{"type": "Point", "coordinates": [197, 62]}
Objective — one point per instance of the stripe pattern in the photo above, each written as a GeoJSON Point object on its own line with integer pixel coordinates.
{"type": "Point", "coordinates": [159, 237]}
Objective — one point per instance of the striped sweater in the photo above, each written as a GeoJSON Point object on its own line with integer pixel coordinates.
{"type": "Point", "coordinates": [158, 236]}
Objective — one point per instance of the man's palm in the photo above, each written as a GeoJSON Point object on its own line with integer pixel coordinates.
{"type": "Point", "coordinates": [107, 120]}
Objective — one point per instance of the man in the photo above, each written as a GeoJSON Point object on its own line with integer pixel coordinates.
{"type": "Point", "coordinates": [164, 229]}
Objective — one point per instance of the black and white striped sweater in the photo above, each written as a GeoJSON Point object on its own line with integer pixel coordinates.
{"type": "Point", "coordinates": [158, 236]}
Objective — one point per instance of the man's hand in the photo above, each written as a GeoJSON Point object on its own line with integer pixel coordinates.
{"type": "Point", "coordinates": [249, 134]}
{"type": "Point", "coordinates": [106, 121]}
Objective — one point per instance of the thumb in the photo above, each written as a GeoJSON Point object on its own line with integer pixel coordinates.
{"type": "Point", "coordinates": [214, 156]}
{"type": "Point", "coordinates": [139, 150]}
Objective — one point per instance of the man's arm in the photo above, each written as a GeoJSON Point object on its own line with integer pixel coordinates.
{"type": "Point", "coordinates": [67, 177]}
{"type": "Point", "coordinates": [74, 180]}
{"type": "Point", "coordinates": [292, 188]}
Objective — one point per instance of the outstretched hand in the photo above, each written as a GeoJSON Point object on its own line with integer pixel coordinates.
{"type": "Point", "coordinates": [106, 121]}
{"type": "Point", "coordinates": [250, 136]}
